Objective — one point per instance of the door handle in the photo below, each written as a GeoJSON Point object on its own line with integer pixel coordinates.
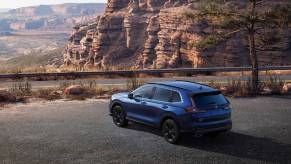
{"type": "Point", "coordinates": [165, 107]}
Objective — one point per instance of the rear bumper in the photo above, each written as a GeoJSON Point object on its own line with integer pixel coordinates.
{"type": "Point", "coordinates": [227, 127]}
{"type": "Point", "coordinates": [213, 127]}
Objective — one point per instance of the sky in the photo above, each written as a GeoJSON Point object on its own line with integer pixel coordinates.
{"type": "Point", "coordinates": [11, 4]}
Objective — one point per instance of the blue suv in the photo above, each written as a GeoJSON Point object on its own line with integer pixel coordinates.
{"type": "Point", "coordinates": [174, 107]}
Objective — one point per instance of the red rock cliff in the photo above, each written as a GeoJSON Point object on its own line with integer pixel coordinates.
{"type": "Point", "coordinates": [154, 34]}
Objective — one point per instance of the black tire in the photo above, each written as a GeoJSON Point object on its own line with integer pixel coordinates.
{"type": "Point", "coordinates": [119, 116]}
{"type": "Point", "coordinates": [171, 131]}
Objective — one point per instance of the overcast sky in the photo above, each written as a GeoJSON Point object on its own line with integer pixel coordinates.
{"type": "Point", "coordinates": [23, 3]}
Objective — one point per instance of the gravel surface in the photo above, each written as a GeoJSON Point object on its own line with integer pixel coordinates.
{"type": "Point", "coordinates": [82, 132]}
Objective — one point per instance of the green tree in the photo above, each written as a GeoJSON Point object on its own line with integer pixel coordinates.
{"type": "Point", "coordinates": [247, 17]}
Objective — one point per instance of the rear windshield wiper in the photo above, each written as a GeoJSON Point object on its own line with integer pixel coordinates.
{"type": "Point", "coordinates": [212, 103]}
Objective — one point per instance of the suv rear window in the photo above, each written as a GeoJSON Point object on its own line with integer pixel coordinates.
{"type": "Point", "coordinates": [205, 100]}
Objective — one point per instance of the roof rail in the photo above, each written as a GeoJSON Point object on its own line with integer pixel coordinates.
{"type": "Point", "coordinates": [193, 82]}
{"type": "Point", "coordinates": [157, 83]}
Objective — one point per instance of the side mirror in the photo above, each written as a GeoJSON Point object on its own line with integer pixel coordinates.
{"type": "Point", "coordinates": [130, 96]}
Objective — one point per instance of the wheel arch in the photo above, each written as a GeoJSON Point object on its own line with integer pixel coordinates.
{"type": "Point", "coordinates": [115, 103]}
{"type": "Point", "coordinates": [168, 115]}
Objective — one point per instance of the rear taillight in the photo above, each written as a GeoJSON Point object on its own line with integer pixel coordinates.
{"type": "Point", "coordinates": [190, 110]}
{"type": "Point", "coordinates": [193, 110]}
{"type": "Point", "coordinates": [227, 107]}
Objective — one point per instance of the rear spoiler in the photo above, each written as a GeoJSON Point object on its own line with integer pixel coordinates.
{"type": "Point", "coordinates": [206, 93]}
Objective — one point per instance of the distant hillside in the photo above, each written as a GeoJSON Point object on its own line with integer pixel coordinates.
{"type": "Point", "coordinates": [2, 10]}
{"type": "Point", "coordinates": [69, 9]}
{"type": "Point", "coordinates": [4, 25]}
{"type": "Point", "coordinates": [50, 58]}
{"type": "Point", "coordinates": [50, 17]}
{"type": "Point", "coordinates": [31, 42]}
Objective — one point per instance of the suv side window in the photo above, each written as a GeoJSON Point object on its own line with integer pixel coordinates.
{"type": "Point", "coordinates": [166, 95]}
{"type": "Point", "coordinates": [145, 92]}
{"type": "Point", "coordinates": [162, 94]}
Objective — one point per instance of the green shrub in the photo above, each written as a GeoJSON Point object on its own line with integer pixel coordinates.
{"type": "Point", "coordinates": [206, 42]}
{"type": "Point", "coordinates": [188, 14]}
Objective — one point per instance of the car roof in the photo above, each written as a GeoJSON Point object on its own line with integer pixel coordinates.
{"type": "Point", "coordinates": [187, 85]}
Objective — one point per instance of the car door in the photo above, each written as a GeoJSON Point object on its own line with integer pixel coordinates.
{"type": "Point", "coordinates": [157, 105]}
{"type": "Point", "coordinates": [136, 107]}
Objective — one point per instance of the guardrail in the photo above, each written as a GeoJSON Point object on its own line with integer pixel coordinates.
{"type": "Point", "coordinates": [146, 71]}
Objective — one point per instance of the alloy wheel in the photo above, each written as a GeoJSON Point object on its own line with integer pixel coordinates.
{"type": "Point", "coordinates": [119, 117]}
{"type": "Point", "coordinates": [170, 131]}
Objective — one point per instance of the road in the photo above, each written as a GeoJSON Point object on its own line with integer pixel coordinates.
{"type": "Point", "coordinates": [122, 81]}
{"type": "Point", "coordinates": [82, 132]}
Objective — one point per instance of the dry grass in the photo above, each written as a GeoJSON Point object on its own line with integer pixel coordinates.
{"type": "Point", "coordinates": [47, 69]}
{"type": "Point", "coordinates": [248, 73]}
{"type": "Point", "coordinates": [3, 105]}
{"type": "Point", "coordinates": [91, 90]}
{"type": "Point", "coordinates": [161, 75]}
{"type": "Point", "coordinates": [47, 94]}
{"type": "Point", "coordinates": [133, 83]}
{"type": "Point", "coordinates": [21, 88]}
{"type": "Point", "coordinates": [273, 85]}
{"type": "Point", "coordinates": [234, 88]}
{"type": "Point", "coordinates": [238, 88]}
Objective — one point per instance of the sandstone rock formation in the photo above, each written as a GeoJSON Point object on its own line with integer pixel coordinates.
{"type": "Point", "coordinates": [74, 90]}
{"type": "Point", "coordinates": [155, 34]}
{"type": "Point", "coordinates": [287, 87]}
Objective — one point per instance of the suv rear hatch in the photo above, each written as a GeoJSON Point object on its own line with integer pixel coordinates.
{"type": "Point", "coordinates": [210, 101]}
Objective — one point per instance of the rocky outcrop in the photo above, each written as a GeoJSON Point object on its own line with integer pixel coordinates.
{"type": "Point", "coordinates": [155, 34]}
{"type": "Point", "coordinates": [80, 44]}
{"type": "Point", "coordinates": [287, 87]}
{"type": "Point", "coordinates": [6, 96]}
{"type": "Point", "coordinates": [74, 90]}
{"type": "Point", "coordinates": [115, 5]}
{"type": "Point", "coordinates": [148, 57]}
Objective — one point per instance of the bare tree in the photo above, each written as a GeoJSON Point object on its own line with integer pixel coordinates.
{"type": "Point", "coordinates": [245, 17]}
